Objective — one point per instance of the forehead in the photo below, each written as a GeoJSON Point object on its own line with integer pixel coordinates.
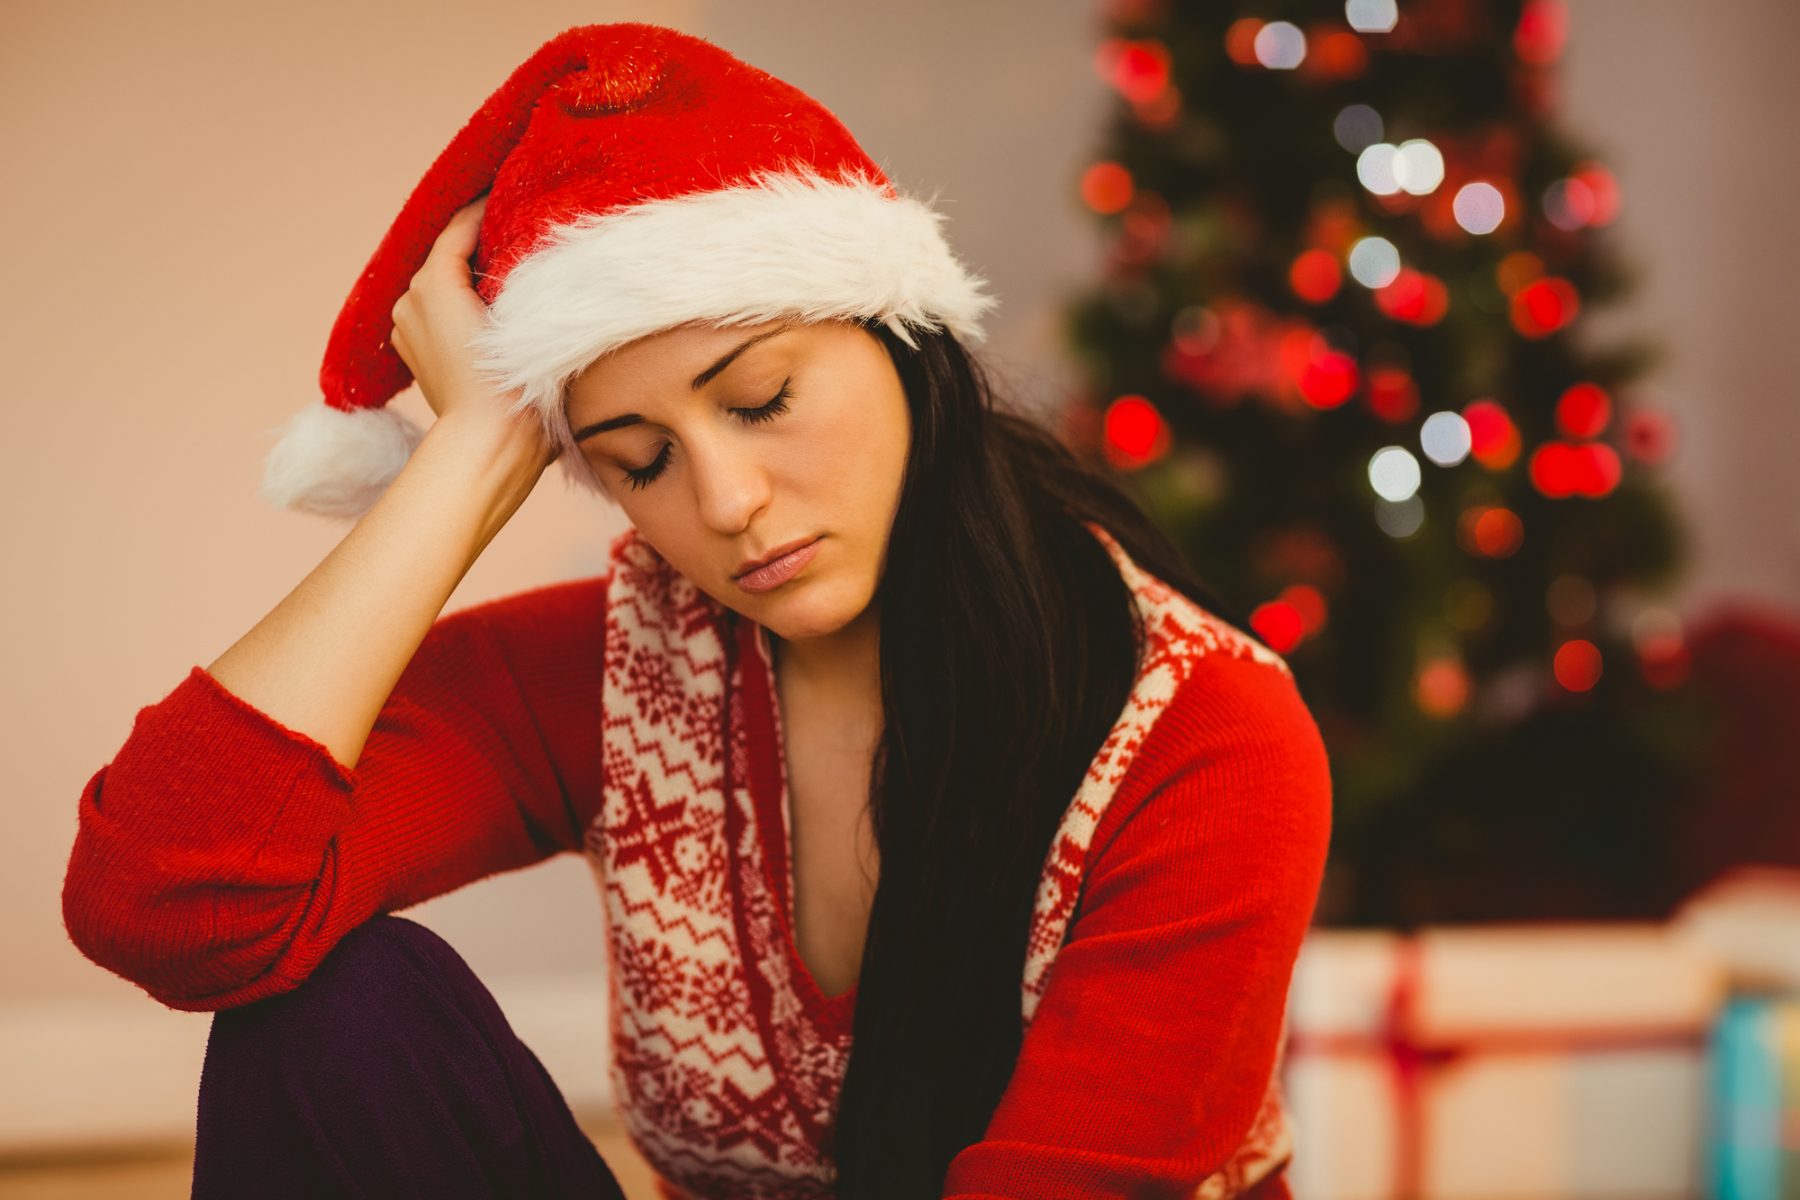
{"type": "Point", "coordinates": [673, 358]}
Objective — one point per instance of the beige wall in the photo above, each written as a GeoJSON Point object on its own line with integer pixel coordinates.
{"type": "Point", "coordinates": [192, 187]}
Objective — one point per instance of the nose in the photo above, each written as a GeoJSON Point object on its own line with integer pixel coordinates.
{"type": "Point", "coordinates": [730, 483]}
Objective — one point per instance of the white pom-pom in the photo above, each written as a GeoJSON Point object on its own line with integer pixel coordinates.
{"type": "Point", "coordinates": [337, 463]}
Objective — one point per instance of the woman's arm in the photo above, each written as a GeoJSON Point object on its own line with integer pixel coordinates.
{"type": "Point", "coordinates": [220, 854]}
{"type": "Point", "coordinates": [323, 661]}
{"type": "Point", "coordinates": [1149, 1057]}
{"type": "Point", "coordinates": [234, 837]}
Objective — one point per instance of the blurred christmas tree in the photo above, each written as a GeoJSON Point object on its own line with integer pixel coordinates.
{"type": "Point", "coordinates": [1335, 353]}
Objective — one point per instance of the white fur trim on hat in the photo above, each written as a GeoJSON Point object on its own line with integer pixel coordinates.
{"type": "Point", "coordinates": [787, 244]}
{"type": "Point", "coordinates": [337, 463]}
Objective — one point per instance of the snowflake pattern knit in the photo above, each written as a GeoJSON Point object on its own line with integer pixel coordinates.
{"type": "Point", "coordinates": [727, 1090]}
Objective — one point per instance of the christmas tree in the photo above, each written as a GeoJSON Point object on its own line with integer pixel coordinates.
{"type": "Point", "coordinates": [1337, 352]}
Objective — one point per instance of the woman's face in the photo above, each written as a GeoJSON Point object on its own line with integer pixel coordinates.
{"type": "Point", "coordinates": [725, 445]}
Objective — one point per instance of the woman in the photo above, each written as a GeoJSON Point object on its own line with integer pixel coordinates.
{"type": "Point", "coordinates": [950, 841]}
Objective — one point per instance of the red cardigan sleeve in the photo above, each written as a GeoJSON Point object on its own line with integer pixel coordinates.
{"type": "Point", "coordinates": [1157, 1034]}
{"type": "Point", "coordinates": [220, 855]}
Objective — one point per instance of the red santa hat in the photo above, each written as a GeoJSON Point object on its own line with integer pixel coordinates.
{"type": "Point", "coordinates": [638, 178]}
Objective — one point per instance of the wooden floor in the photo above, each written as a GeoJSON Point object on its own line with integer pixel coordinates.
{"type": "Point", "coordinates": [167, 1174]}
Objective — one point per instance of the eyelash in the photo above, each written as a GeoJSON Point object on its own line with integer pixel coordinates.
{"type": "Point", "coordinates": [643, 477]}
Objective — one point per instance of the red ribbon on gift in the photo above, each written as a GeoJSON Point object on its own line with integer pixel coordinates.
{"type": "Point", "coordinates": [1414, 1059]}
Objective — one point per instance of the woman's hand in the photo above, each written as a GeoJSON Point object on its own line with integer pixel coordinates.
{"type": "Point", "coordinates": [433, 323]}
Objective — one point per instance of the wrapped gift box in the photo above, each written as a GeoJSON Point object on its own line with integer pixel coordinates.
{"type": "Point", "coordinates": [1755, 1132]}
{"type": "Point", "coordinates": [1500, 1062]}
{"type": "Point", "coordinates": [1749, 919]}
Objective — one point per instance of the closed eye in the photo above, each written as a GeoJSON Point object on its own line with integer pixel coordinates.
{"type": "Point", "coordinates": [643, 476]}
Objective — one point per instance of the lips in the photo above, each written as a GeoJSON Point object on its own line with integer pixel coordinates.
{"type": "Point", "coordinates": [744, 568]}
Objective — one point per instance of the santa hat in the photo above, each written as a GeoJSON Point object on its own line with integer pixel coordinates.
{"type": "Point", "coordinates": [638, 178]}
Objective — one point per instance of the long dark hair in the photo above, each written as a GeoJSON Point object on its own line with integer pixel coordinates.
{"type": "Point", "coordinates": [1008, 648]}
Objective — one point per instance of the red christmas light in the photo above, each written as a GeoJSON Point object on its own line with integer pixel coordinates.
{"type": "Point", "coordinates": [1542, 307]}
{"type": "Point", "coordinates": [1309, 602]}
{"type": "Point", "coordinates": [1542, 29]}
{"type": "Point", "coordinates": [1490, 531]}
{"type": "Point", "coordinates": [1583, 410]}
{"type": "Point", "coordinates": [1161, 112]}
{"type": "Point", "coordinates": [1279, 624]}
{"type": "Point", "coordinates": [1333, 56]}
{"type": "Point", "coordinates": [1603, 188]}
{"type": "Point", "coordinates": [1442, 687]}
{"type": "Point", "coordinates": [1493, 438]}
{"type": "Point", "coordinates": [1328, 379]}
{"type": "Point", "coordinates": [1135, 433]}
{"type": "Point", "coordinates": [1240, 41]}
{"type": "Point", "coordinates": [1649, 436]}
{"type": "Point", "coordinates": [1138, 70]}
{"type": "Point", "coordinates": [1563, 469]}
{"type": "Point", "coordinates": [1106, 187]}
{"type": "Point", "coordinates": [1577, 665]}
{"type": "Point", "coordinates": [1415, 297]}
{"type": "Point", "coordinates": [1392, 393]}
{"type": "Point", "coordinates": [1315, 276]}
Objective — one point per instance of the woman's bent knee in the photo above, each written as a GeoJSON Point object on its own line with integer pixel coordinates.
{"type": "Point", "coordinates": [389, 984]}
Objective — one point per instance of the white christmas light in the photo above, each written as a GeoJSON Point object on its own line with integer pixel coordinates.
{"type": "Point", "coordinates": [1445, 438]}
{"type": "Point", "coordinates": [1394, 473]}
{"type": "Point", "coordinates": [1400, 520]}
{"type": "Point", "coordinates": [1280, 46]}
{"type": "Point", "coordinates": [1375, 169]}
{"type": "Point", "coordinates": [1479, 207]}
{"type": "Point", "coordinates": [1374, 262]}
{"type": "Point", "coordinates": [1569, 204]}
{"type": "Point", "coordinates": [1357, 127]}
{"type": "Point", "coordinates": [1371, 16]}
{"type": "Point", "coordinates": [1418, 166]}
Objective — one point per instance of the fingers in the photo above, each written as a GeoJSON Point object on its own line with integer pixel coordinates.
{"type": "Point", "coordinates": [456, 244]}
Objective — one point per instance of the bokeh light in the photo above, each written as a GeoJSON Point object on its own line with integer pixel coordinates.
{"type": "Point", "coordinates": [1493, 438]}
{"type": "Point", "coordinates": [1135, 432]}
{"type": "Point", "coordinates": [1445, 438]}
{"type": "Point", "coordinates": [1441, 688]}
{"type": "Point", "coordinates": [1280, 46]}
{"type": "Point", "coordinates": [1543, 306]}
{"type": "Point", "coordinates": [1315, 276]}
{"type": "Point", "coordinates": [1309, 603]}
{"type": "Point", "coordinates": [1400, 519]}
{"type": "Point", "coordinates": [1377, 168]}
{"type": "Point", "coordinates": [1479, 207]}
{"type": "Point", "coordinates": [1394, 473]}
{"type": "Point", "coordinates": [1328, 377]}
{"type": "Point", "coordinates": [1490, 530]}
{"type": "Point", "coordinates": [1583, 410]}
{"type": "Point", "coordinates": [1374, 261]}
{"type": "Point", "coordinates": [1418, 166]}
{"type": "Point", "coordinates": [1561, 470]}
{"type": "Point", "coordinates": [1106, 187]}
{"type": "Point", "coordinates": [1279, 624]}
{"type": "Point", "coordinates": [1392, 392]}
{"type": "Point", "coordinates": [1577, 665]}
{"type": "Point", "coordinates": [1357, 127]}
{"type": "Point", "coordinates": [1371, 16]}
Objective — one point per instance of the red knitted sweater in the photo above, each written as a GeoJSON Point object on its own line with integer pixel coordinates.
{"type": "Point", "coordinates": [221, 855]}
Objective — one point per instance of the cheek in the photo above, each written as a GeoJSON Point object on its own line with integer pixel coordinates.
{"type": "Point", "coordinates": [860, 446]}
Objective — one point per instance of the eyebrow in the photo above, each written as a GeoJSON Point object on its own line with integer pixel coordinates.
{"type": "Point", "coordinates": [699, 381]}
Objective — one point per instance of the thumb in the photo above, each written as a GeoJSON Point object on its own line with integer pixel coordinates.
{"type": "Point", "coordinates": [455, 246]}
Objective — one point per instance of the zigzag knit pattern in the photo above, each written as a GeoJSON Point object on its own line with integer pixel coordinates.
{"type": "Point", "coordinates": [727, 1058]}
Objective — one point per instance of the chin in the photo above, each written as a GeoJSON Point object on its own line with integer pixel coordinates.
{"type": "Point", "coordinates": [807, 612]}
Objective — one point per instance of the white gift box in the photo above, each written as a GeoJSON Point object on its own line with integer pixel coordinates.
{"type": "Point", "coordinates": [1749, 919]}
{"type": "Point", "coordinates": [1500, 1062]}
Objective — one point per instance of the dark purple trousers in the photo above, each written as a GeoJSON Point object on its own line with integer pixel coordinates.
{"type": "Point", "coordinates": [389, 1073]}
